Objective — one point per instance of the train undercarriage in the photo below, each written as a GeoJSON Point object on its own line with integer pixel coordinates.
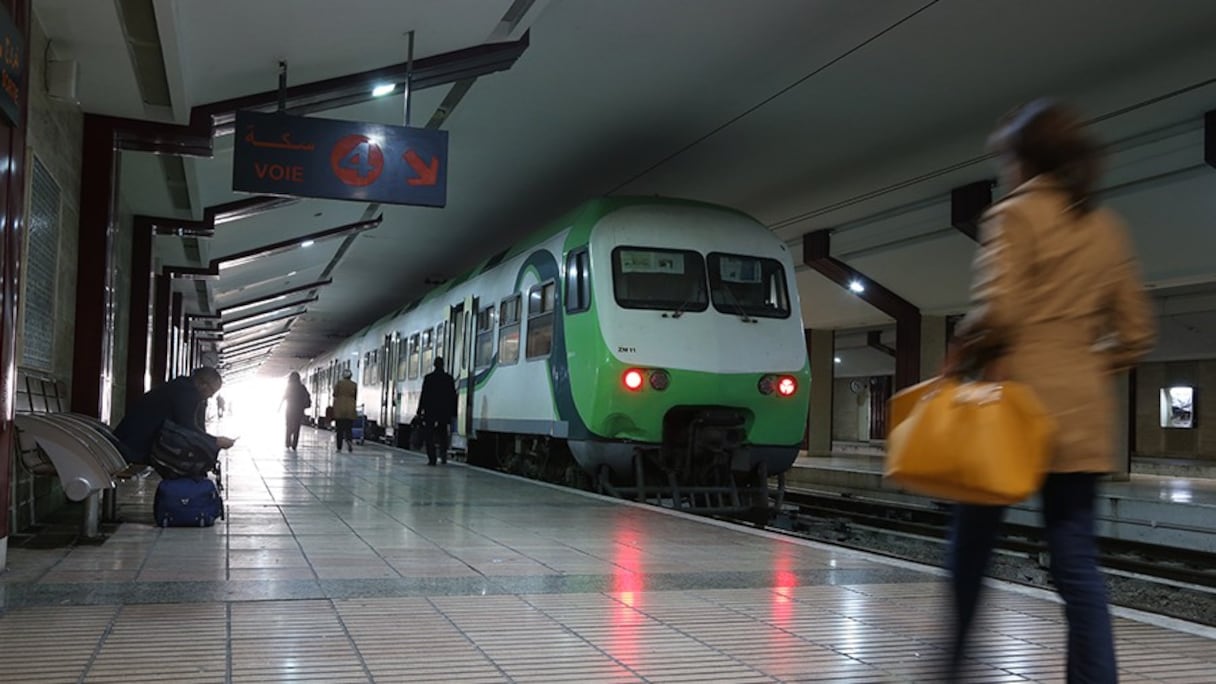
{"type": "Point", "coordinates": [704, 465]}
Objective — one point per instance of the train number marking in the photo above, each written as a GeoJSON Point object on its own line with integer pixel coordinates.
{"type": "Point", "coordinates": [626, 350]}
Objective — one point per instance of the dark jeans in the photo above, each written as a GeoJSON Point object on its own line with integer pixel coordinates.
{"type": "Point", "coordinates": [342, 426]}
{"type": "Point", "coordinates": [293, 430]}
{"type": "Point", "coordinates": [1068, 517]}
{"type": "Point", "coordinates": [436, 439]}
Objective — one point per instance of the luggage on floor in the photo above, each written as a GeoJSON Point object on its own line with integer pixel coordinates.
{"type": "Point", "coordinates": [187, 502]}
{"type": "Point", "coordinates": [357, 428]}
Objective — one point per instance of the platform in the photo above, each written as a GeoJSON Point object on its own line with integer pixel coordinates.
{"type": "Point", "coordinates": [1157, 509]}
{"type": "Point", "coordinates": [372, 566]}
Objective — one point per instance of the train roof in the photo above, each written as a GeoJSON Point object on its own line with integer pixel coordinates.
{"type": "Point", "coordinates": [585, 214]}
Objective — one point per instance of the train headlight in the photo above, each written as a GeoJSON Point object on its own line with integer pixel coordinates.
{"type": "Point", "coordinates": [660, 379]}
{"type": "Point", "coordinates": [632, 379]}
{"type": "Point", "coordinates": [787, 386]}
{"type": "Point", "coordinates": [766, 385]}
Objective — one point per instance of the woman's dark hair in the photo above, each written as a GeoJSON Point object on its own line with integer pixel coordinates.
{"type": "Point", "coordinates": [1048, 138]}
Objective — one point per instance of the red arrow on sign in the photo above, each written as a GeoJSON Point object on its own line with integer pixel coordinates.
{"type": "Point", "coordinates": [427, 175]}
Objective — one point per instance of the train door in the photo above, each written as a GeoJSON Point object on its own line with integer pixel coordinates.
{"type": "Point", "coordinates": [385, 374]}
{"type": "Point", "coordinates": [460, 343]}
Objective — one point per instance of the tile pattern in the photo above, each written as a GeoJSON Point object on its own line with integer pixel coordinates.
{"type": "Point", "coordinates": [372, 567]}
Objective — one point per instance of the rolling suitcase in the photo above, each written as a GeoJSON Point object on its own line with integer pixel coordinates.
{"type": "Point", "coordinates": [187, 502]}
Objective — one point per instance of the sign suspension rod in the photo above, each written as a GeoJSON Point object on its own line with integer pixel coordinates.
{"type": "Point", "coordinates": [282, 86]}
{"type": "Point", "coordinates": [409, 75]}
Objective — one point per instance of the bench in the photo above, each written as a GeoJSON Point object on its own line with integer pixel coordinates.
{"type": "Point", "coordinates": [79, 449]}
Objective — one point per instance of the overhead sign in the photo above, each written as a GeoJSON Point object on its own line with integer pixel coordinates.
{"type": "Point", "coordinates": [280, 154]}
{"type": "Point", "coordinates": [12, 83]}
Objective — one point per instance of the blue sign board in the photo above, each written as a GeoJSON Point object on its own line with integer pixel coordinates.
{"type": "Point", "coordinates": [12, 81]}
{"type": "Point", "coordinates": [280, 154]}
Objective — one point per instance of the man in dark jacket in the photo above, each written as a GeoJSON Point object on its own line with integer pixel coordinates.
{"type": "Point", "coordinates": [181, 400]}
{"type": "Point", "coordinates": [437, 408]}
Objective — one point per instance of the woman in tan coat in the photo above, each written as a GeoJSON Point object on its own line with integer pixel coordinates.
{"type": "Point", "coordinates": [1059, 303]}
{"type": "Point", "coordinates": [345, 395]}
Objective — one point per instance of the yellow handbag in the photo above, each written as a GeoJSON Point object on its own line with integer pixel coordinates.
{"type": "Point", "coordinates": [975, 442]}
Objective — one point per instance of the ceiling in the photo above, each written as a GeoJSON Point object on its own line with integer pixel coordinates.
{"type": "Point", "coordinates": [807, 114]}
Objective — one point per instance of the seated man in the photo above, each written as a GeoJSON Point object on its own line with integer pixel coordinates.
{"type": "Point", "coordinates": [181, 400]}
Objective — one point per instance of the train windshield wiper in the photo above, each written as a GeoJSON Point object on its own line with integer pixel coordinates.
{"type": "Point", "coordinates": [683, 306]}
{"type": "Point", "coordinates": [734, 303]}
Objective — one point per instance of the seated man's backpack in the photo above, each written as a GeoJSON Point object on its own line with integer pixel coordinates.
{"type": "Point", "coordinates": [181, 452]}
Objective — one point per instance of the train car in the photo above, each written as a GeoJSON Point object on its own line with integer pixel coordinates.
{"type": "Point", "coordinates": [655, 345]}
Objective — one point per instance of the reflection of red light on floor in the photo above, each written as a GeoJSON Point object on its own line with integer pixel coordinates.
{"type": "Point", "coordinates": [628, 581]}
{"type": "Point", "coordinates": [784, 580]}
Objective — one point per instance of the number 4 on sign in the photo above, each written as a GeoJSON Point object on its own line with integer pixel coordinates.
{"type": "Point", "coordinates": [428, 174]}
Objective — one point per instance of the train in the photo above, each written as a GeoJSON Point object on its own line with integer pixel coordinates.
{"type": "Point", "coordinates": [645, 347]}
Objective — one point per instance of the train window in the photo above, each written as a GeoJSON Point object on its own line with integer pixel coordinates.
{"type": "Point", "coordinates": [485, 338]}
{"type": "Point", "coordinates": [440, 334]}
{"type": "Point", "coordinates": [428, 351]}
{"type": "Point", "coordinates": [414, 356]}
{"type": "Point", "coordinates": [578, 281]}
{"type": "Point", "coordinates": [669, 279]}
{"type": "Point", "coordinates": [540, 320]}
{"type": "Point", "coordinates": [748, 285]}
{"type": "Point", "coordinates": [403, 358]}
{"type": "Point", "coordinates": [508, 331]}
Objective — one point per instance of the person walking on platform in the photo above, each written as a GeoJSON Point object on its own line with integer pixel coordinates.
{"type": "Point", "coordinates": [345, 394]}
{"type": "Point", "coordinates": [182, 400]}
{"type": "Point", "coordinates": [1057, 303]}
{"type": "Point", "coordinates": [437, 407]}
{"type": "Point", "coordinates": [298, 400]}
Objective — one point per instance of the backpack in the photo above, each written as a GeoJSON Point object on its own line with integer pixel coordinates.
{"type": "Point", "coordinates": [181, 452]}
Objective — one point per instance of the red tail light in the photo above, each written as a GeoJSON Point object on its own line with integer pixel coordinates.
{"type": "Point", "coordinates": [787, 386]}
{"type": "Point", "coordinates": [633, 379]}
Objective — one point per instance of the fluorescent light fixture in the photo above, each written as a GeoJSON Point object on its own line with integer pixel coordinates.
{"type": "Point", "coordinates": [383, 89]}
{"type": "Point", "coordinates": [837, 359]}
{"type": "Point", "coordinates": [857, 287]}
{"type": "Point", "coordinates": [308, 243]}
{"type": "Point", "coordinates": [291, 274]}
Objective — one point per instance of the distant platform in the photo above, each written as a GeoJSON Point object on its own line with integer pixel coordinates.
{"type": "Point", "coordinates": [1159, 509]}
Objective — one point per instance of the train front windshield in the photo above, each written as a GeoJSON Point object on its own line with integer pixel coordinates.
{"type": "Point", "coordinates": [754, 286]}
{"type": "Point", "coordinates": [651, 278]}
{"type": "Point", "coordinates": [676, 280]}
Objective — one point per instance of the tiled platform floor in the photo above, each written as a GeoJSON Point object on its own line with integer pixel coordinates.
{"type": "Point", "coordinates": [372, 566]}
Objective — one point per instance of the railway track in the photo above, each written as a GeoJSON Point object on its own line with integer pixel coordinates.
{"type": "Point", "coordinates": [1161, 579]}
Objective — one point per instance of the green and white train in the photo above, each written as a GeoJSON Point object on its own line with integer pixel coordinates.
{"type": "Point", "coordinates": [646, 342]}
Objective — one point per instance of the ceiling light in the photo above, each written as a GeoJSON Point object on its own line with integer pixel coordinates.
{"type": "Point", "coordinates": [308, 243]}
{"type": "Point", "coordinates": [857, 287]}
{"type": "Point", "coordinates": [291, 274]}
{"type": "Point", "coordinates": [837, 359]}
{"type": "Point", "coordinates": [383, 89]}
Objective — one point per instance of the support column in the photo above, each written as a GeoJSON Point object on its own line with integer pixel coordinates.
{"type": "Point", "coordinates": [140, 301]}
{"type": "Point", "coordinates": [12, 229]}
{"type": "Point", "coordinates": [821, 347]}
{"type": "Point", "coordinates": [967, 204]}
{"type": "Point", "coordinates": [933, 338]}
{"type": "Point", "coordinates": [92, 363]}
{"type": "Point", "coordinates": [175, 335]}
{"type": "Point", "coordinates": [161, 311]}
{"type": "Point", "coordinates": [1209, 138]}
{"type": "Point", "coordinates": [816, 253]}
{"type": "Point", "coordinates": [1124, 420]}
